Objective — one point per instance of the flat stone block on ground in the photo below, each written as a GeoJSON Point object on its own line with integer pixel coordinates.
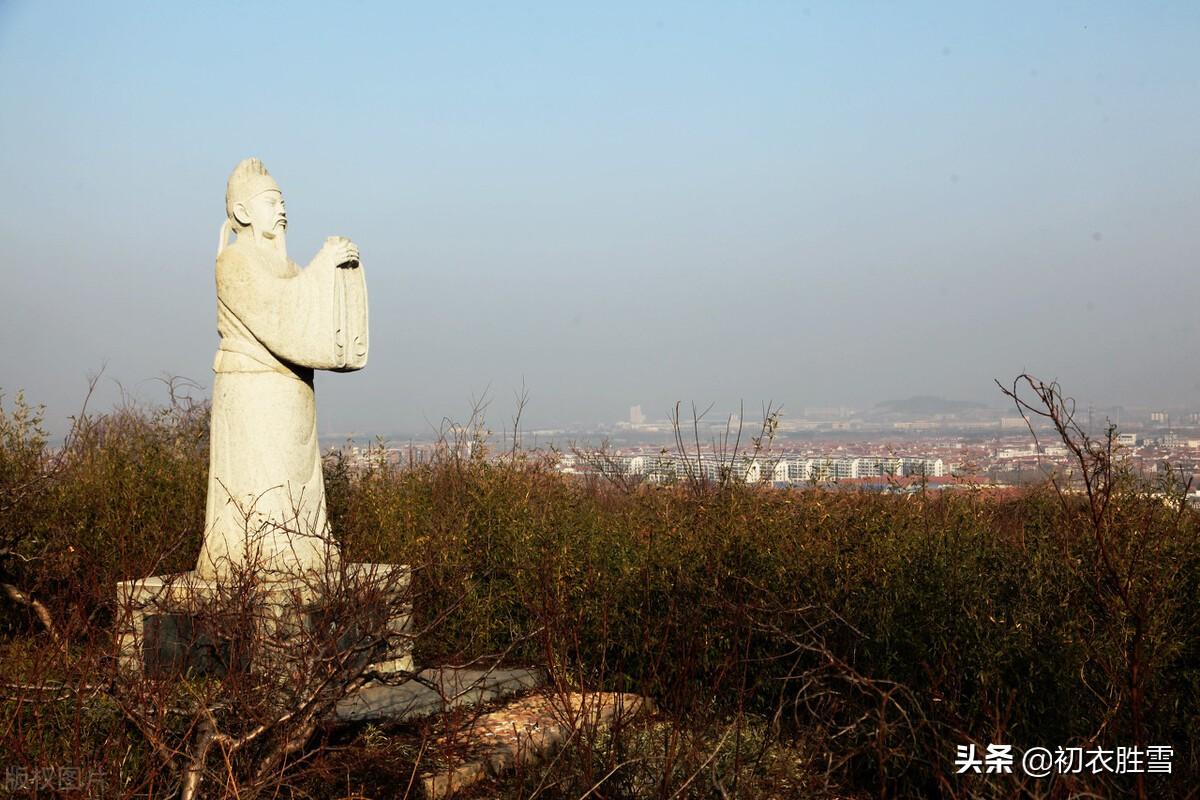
{"type": "Point", "coordinates": [524, 733]}
{"type": "Point", "coordinates": [435, 691]}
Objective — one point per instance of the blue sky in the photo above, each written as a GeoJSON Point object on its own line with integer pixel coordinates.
{"type": "Point", "coordinates": [625, 203]}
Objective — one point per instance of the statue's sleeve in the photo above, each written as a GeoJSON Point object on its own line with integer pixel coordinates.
{"type": "Point", "coordinates": [316, 318]}
{"type": "Point", "coordinates": [350, 336]}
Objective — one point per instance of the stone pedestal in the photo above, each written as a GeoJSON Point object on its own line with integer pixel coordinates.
{"type": "Point", "coordinates": [182, 621]}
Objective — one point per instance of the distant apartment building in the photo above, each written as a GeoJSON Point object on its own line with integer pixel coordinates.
{"type": "Point", "coordinates": [666, 468]}
{"type": "Point", "coordinates": [799, 469]}
{"type": "Point", "coordinates": [672, 468]}
{"type": "Point", "coordinates": [1173, 441]}
{"type": "Point", "coordinates": [1182, 471]}
{"type": "Point", "coordinates": [825, 469]}
{"type": "Point", "coordinates": [778, 471]}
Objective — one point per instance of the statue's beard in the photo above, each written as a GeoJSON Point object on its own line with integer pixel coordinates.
{"type": "Point", "coordinates": [279, 229]}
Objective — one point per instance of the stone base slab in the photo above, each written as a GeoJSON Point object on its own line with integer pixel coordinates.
{"type": "Point", "coordinates": [159, 618]}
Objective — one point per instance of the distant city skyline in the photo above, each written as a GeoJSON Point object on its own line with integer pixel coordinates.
{"type": "Point", "coordinates": [904, 420]}
{"type": "Point", "coordinates": [618, 205]}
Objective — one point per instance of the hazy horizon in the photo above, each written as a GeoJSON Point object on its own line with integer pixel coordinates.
{"type": "Point", "coordinates": [815, 206]}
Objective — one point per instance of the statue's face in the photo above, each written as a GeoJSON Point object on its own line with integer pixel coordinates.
{"type": "Point", "coordinates": [265, 213]}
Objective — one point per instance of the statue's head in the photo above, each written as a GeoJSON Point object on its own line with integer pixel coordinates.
{"type": "Point", "coordinates": [254, 202]}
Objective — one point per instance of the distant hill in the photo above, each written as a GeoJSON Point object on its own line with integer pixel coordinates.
{"type": "Point", "coordinates": [927, 404]}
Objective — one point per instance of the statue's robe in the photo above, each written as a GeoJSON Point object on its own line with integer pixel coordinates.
{"type": "Point", "coordinates": [278, 323]}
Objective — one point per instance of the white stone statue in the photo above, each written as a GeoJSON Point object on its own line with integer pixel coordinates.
{"type": "Point", "coordinates": [278, 323]}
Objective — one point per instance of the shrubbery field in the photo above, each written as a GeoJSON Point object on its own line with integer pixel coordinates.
{"type": "Point", "coordinates": [797, 643]}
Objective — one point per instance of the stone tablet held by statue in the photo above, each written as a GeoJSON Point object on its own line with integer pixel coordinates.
{"type": "Point", "coordinates": [278, 323]}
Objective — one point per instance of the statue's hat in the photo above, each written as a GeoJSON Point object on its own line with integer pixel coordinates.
{"type": "Point", "coordinates": [249, 178]}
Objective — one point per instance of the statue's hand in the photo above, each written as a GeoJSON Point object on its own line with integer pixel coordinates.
{"type": "Point", "coordinates": [341, 251]}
